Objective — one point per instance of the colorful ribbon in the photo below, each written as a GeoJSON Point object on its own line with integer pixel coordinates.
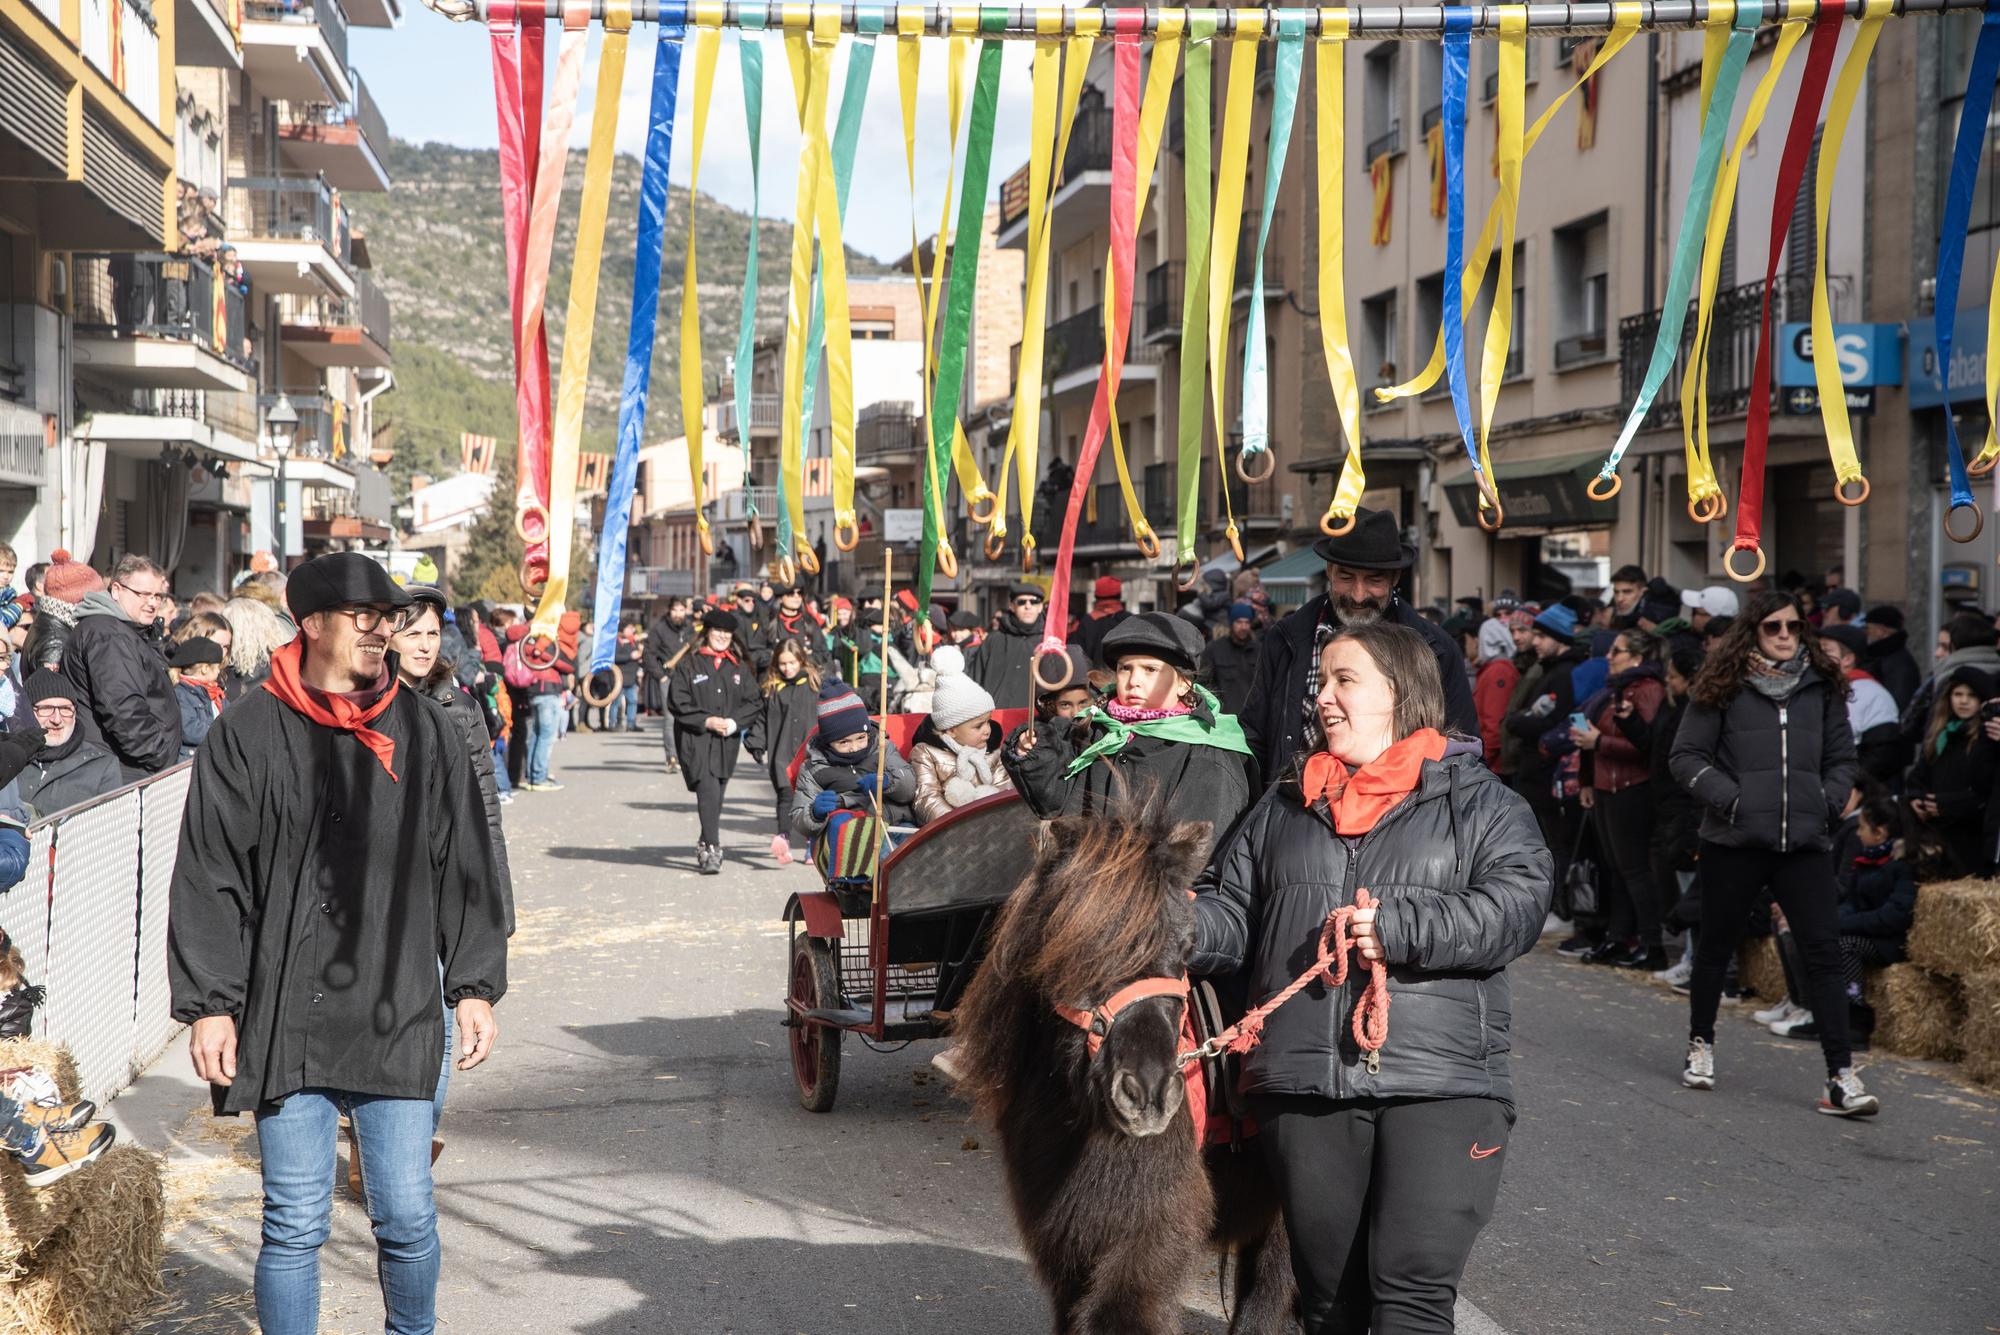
{"type": "Point", "coordinates": [811, 62]}
{"type": "Point", "coordinates": [1232, 175]}
{"type": "Point", "coordinates": [750, 60]}
{"type": "Point", "coordinates": [1457, 53]}
{"type": "Point", "coordinates": [909, 61]}
{"type": "Point", "coordinates": [647, 255]}
{"type": "Point", "coordinates": [1330, 80]}
{"type": "Point", "coordinates": [1722, 76]}
{"type": "Point", "coordinates": [1381, 216]}
{"type": "Point", "coordinates": [514, 111]}
{"type": "Point", "coordinates": [707, 41]}
{"type": "Point", "coordinates": [1508, 150]}
{"type": "Point", "coordinates": [1965, 156]}
{"type": "Point", "coordinates": [1791, 175]}
{"type": "Point", "coordinates": [1197, 127]}
{"type": "Point", "coordinates": [1284, 105]}
{"type": "Point", "coordinates": [580, 319]}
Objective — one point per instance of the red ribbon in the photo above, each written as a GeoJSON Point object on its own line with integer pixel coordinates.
{"type": "Point", "coordinates": [1124, 225]}
{"type": "Point", "coordinates": [1791, 173]}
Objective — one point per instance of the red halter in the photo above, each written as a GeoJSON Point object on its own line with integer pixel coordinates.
{"type": "Point", "coordinates": [1096, 1022]}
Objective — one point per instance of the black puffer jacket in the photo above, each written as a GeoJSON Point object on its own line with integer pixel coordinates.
{"type": "Point", "coordinates": [1772, 775]}
{"type": "Point", "coordinates": [1544, 707]}
{"type": "Point", "coordinates": [442, 688]}
{"type": "Point", "coordinates": [124, 698]}
{"type": "Point", "coordinates": [1005, 661]}
{"type": "Point", "coordinates": [1464, 881]}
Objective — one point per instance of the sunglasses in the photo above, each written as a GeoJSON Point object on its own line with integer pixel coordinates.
{"type": "Point", "coordinates": [1776, 626]}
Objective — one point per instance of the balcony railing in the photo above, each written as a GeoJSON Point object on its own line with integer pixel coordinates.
{"type": "Point", "coordinates": [1732, 351]}
{"type": "Point", "coordinates": [1580, 348]}
{"type": "Point", "coordinates": [766, 414]}
{"type": "Point", "coordinates": [1274, 254]}
{"type": "Point", "coordinates": [886, 430]}
{"type": "Point", "coordinates": [367, 310]}
{"type": "Point", "coordinates": [234, 413]}
{"type": "Point", "coordinates": [316, 436]}
{"type": "Point", "coordinates": [289, 208]}
{"type": "Point", "coordinates": [327, 14]}
{"type": "Point", "coordinates": [1089, 143]}
{"type": "Point", "coordinates": [1077, 344]}
{"type": "Point", "coordinates": [1389, 141]}
{"type": "Point", "coordinates": [162, 296]}
{"type": "Point", "coordinates": [121, 39]}
{"type": "Point", "coordinates": [1163, 300]}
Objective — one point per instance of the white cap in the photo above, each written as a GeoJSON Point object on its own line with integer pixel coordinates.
{"type": "Point", "coordinates": [1715, 600]}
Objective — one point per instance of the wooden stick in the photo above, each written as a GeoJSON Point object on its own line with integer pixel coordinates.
{"type": "Point", "coordinates": [882, 730]}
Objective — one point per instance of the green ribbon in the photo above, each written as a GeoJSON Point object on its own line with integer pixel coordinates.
{"type": "Point", "coordinates": [1196, 131]}
{"type": "Point", "coordinates": [1223, 733]}
{"type": "Point", "coordinates": [1284, 103]}
{"type": "Point", "coordinates": [964, 280]}
{"type": "Point", "coordinates": [750, 52]}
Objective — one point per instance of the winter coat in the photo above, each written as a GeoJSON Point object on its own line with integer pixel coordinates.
{"type": "Point", "coordinates": [1676, 815]}
{"type": "Point", "coordinates": [773, 629]}
{"type": "Point", "coordinates": [1492, 689]}
{"type": "Point", "coordinates": [1005, 661]}
{"type": "Point", "coordinates": [1961, 781]}
{"type": "Point", "coordinates": [85, 771]}
{"type": "Point", "coordinates": [1623, 755]}
{"type": "Point", "coordinates": [706, 686]}
{"type": "Point", "coordinates": [1201, 783]}
{"type": "Point", "coordinates": [784, 720]}
{"type": "Point", "coordinates": [1274, 718]}
{"type": "Point", "coordinates": [1230, 670]}
{"type": "Point", "coordinates": [1464, 882]}
{"type": "Point", "coordinates": [198, 712]}
{"type": "Point", "coordinates": [663, 640]}
{"type": "Point", "coordinates": [822, 770]}
{"type": "Point", "coordinates": [466, 716]}
{"type": "Point", "coordinates": [17, 1010]}
{"type": "Point", "coordinates": [1543, 709]}
{"type": "Point", "coordinates": [945, 782]}
{"type": "Point", "coordinates": [1090, 633]}
{"type": "Point", "coordinates": [1881, 902]}
{"type": "Point", "coordinates": [1888, 660]}
{"type": "Point", "coordinates": [124, 698]}
{"type": "Point", "coordinates": [1772, 776]}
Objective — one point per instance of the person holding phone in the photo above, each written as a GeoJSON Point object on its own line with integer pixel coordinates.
{"type": "Point", "coordinates": [1950, 785]}
{"type": "Point", "coordinates": [1614, 736]}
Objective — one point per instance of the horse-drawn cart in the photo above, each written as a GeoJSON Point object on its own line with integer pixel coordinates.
{"type": "Point", "coordinates": [888, 960]}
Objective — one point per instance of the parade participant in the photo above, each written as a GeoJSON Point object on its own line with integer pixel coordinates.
{"type": "Point", "coordinates": [838, 779]}
{"type": "Point", "coordinates": [1159, 732]}
{"type": "Point", "coordinates": [68, 768]}
{"type": "Point", "coordinates": [956, 754]}
{"type": "Point", "coordinates": [1493, 683]}
{"type": "Point", "coordinates": [1616, 744]}
{"type": "Point", "coordinates": [966, 630]}
{"type": "Point", "coordinates": [1363, 568]}
{"type": "Point", "coordinates": [788, 620]}
{"type": "Point", "coordinates": [628, 655]}
{"type": "Point", "coordinates": [197, 664]}
{"type": "Point", "coordinates": [1949, 785]}
{"type": "Point", "coordinates": [1229, 662]}
{"type": "Point", "coordinates": [1388, 1163]}
{"type": "Point", "coordinates": [1765, 747]}
{"type": "Point", "coordinates": [334, 864]}
{"type": "Point", "coordinates": [712, 697]}
{"type": "Point", "coordinates": [783, 721]}
{"type": "Point", "coordinates": [669, 639]}
{"type": "Point", "coordinates": [1107, 613]}
{"type": "Point", "coordinates": [1005, 658]}
{"type": "Point", "coordinates": [1068, 700]}
{"type": "Point", "coordinates": [125, 700]}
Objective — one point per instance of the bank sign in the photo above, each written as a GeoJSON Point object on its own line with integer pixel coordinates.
{"type": "Point", "coordinates": [1929, 387]}
{"type": "Point", "coordinates": [1869, 355]}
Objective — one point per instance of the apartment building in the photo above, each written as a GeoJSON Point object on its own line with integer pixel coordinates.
{"type": "Point", "coordinates": [195, 340]}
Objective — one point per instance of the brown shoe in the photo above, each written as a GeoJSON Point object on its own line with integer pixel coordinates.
{"type": "Point", "coordinates": [59, 1116]}
{"type": "Point", "coordinates": [437, 1148]}
{"type": "Point", "coordinates": [354, 1185]}
{"type": "Point", "coordinates": [61, 1153]}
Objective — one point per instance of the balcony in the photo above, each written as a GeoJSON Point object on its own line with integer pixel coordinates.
{"type": "Point", "coordinates": [1582, 349]}
{"type": "Point", "coordinates": [1082, 188]}
{"type": "Point", "coordinates": [1163, 302]}
{"type": "Point", "coordinates": [296, 50]}
{"type": "Point", "coordinates": [341, 141]}
{"type": "Point", "coordinates": [1073, 351]}
{"type": "Point", "coordinates": [160, 322]}
{"type": "Point", "coordinates": [1732, 351]}
{"type": "Point", "coordinates": [374, 13]}
{"type": "Point", "coordinates": [321, 453]}
{"type": "Point", "coordinates": [338, 331]}
{"type": "Point", "coordinates": [733, 506]}
{"type": "Point", "coordinates": [207, 33]}
{"type": "Point", "coordinates": [766, 416]}
{"type": "Point", "coordinates": [889, 433]}
{"type": "Point", "coordinates": [208, 423]}
{"type": "Point", "coordinates": [1274, 256]}
{"type": "Point", "coordinates": [1389, 142]}
{"type": "Point", "coordinates": [121, 40]}
{"type": "Point", "coordinates": [290, 234]}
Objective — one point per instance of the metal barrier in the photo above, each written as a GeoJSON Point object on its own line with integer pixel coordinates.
{"type": "Point", "coordinates": [90, 918]}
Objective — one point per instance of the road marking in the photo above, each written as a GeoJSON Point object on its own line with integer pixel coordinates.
{"type": "Point", "coordinates": [1472, 1321]}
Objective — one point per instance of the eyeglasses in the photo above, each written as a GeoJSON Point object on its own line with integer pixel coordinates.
{"type": "Point", "coordinates": [1777, 626]}
{"type": "Point", "coordinates": [153, 596]}
{"type": "Point", "coordinates": [53, 710]}
{"type": "Point", "coordinates": [370, 619]}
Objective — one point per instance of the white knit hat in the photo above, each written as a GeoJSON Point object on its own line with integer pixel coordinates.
{"type": "Point", "coordinates": [957, 698]}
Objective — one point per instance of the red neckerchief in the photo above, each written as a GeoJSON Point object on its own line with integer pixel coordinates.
{"type": "Point", "coordinates": [1856, 674]}
{"type": "Point", "coordinates": [720, 656]}
{"type": "Point", "coordinates": [1107, 607]}
{"type": "Point", "coordinates": [1357, 799]}
{"type": "Point", "coordinates": [214, 689]}
{"type": "Point", "coordinates": [333, 711]}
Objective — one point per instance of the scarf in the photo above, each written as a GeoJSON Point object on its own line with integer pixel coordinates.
{"type": "Point", "coordinates": [1876, 855]}
{"type": "Point", "coordinates": [1857, 674]}
{"type": "Point", "coordinates": [1773, 680]}
{"type": "Point", "coordinates": [1107, 607]}
{"type": "Point", "coordinates": [1205, 725]}
{"type": "Point", "coordinates": [720, 656]}
{"type": "Point", "coordinates": [1357, 799]}
{"type": "Point", "coordinates": [51, 755]}
{"type": "Point", "coordinates": [334, 711]}
{"type": "Point", "coordinates": [214, 689]}
{"type": "Point", "coordinates": [975, 766]}
{"type": "Point", "coordinates": [1136, 714]}
{"type": "Point", "coordinates": [56, 610]}
{"type": "Point", "coordinates": [1949, 733]}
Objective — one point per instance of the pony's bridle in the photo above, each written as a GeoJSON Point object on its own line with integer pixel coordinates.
{"type": "Point", "coordinates": [1096, 1021]}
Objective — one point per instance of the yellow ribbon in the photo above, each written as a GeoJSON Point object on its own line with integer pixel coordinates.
{"type": "Point", "coordinates": [1231, 176]}
{"type": "Point", "coordinates": [1509, 150]}
{"type": "Point", "coordinates": [706, 44]}
{"type": "Point", "coordinates": [582, 314]}
{"type": "Point", "coordinates": [930, 296]}
{"type": "Point", "coordinates": [1624, 27]}
{"type": "Point", "coordinates": [1702, 483]}
{"type": "Point", "coordinates": [1329, 79]}
{"type": "Point", "coordinates": [1826, 356]}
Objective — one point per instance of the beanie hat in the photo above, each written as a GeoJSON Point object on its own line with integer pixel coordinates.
{"type": "Point", "coordinates": [48, 684]}
{"type": "Point", "coordinates": [1558, 622]}
{"type": "Point", "coordinates": [1107, 588]}
{"type": "Point", "coordinates": [957, 698]}
{"type": "Point", "coordinates": [841, 713]}
{"type": "Point", "coordinates": [1242, 612]}
{"type": "Point", "coordinates": [70, 581]}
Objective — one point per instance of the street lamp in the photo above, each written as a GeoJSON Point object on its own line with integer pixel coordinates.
{"type": "Point", "coordinates": [282, 421]}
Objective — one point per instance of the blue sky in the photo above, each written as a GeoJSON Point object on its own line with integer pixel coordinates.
{"type": "Point", "coordinates": [434, 81]}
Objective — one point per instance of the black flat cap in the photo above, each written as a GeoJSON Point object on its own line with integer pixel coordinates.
{"type": "Point", "coordinates": [1162, 635]}
{"type": "Point", "coordinates": [341, 579]}
{"type": "Point", "coordinates": [719, 618]}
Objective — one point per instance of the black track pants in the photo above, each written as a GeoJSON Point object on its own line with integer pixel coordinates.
{"type": "Point", "coordinates": [708, 802]}
{"type": "Point", "coordinates": [1383, 1199]}
{"type": "Point", "coordinates": [1625, 830]}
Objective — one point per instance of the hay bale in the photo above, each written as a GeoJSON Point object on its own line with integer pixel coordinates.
{"type": "Point", "coordinates": [52, 1058]}
{"type": "Point", "coordinates": [1957, 931]}
{"type": "Point", "coordinates": [1759, 970]}
{"type": "Point", "coordinates": [102, 1268]}
{"type": "Point", "coordinates": [1979, 1035]}
{"type": "Point", "coordinates": [29, 1217]}
{"type": "Point", "coordinates": [1917, 1013]}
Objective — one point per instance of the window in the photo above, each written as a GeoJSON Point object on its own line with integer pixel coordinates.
{"type": "Point", "coordinates": [1430, 315]}
{"type": "Point", "coordinates": [1430, 84]}
{"type": "Point", "coordinates": [1582, 289]}
{"type": "Point", "coordinates": [1381, 103]}
{"type": "Point", "coordinates": [1379, 346]}
{"type": "Point", "coordinates": [1475, 325]}
{"type": "Point", "coordinates": [1491, 57]}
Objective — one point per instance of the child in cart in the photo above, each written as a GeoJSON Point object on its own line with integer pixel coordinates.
{"type": "Point", "coordinates": [956, 754]}
{"type": "Point", "coordinates": [835, 807]}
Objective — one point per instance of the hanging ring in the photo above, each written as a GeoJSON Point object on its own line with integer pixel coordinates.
{"type": "Point", "coordinates": [1489, 500]}
{"type": "Point", "coordinates": [1982, 465]}
{"type": "Point", "coordinates": [782, 569]}
{"type": "Point", "coordinates": [1027, 555]}
{"type": "Point", "coordinates": [707, 540]}
{"type": "Point", "coordinates": [1341, 529]}
{"type": "Point", "coordinates": [1614, 482]}
{"type": "Point", "coordinates": [996, 546]}
{"type": "Point", "coordinates": [992, 503]}
{"type": "Point", "coordinates": [1043, 684]}
{"type": "Point", "coordinates": [756, 532]}
{"type": "Point", "coordinates": [530, 656]}
{"type": "Point", "coordinates": [1729, 564]}
{"type": "Point", "coordinates": [1235, 543]}
{"type": "Point", "coordinates": [1494, 525]}
{"type": "Point", "coordinates": [846, 535]}
{"type": "Point", "coordinates": [1270, 465]}
{"type": "Point", "coordinates": [947, 560]}
{"type": "Point", "coordinates": [1706, 509]}
{"type": "Point", "coordinates": [1978, 520]}
{"type": "Point", "coordinates": [808, 560]}
{"type": "Point", "coordinates": [534, 578]}
{"type": "Point", "coordinates": [533, 510]}
{"type": "Point", "coordinates": [1148, 541]}
{"type": "Point", "coordinates": [1840, 491]}
{"type": "Point", "coordinates": [591, 697]}
{"type": "Point", "coordinates": [1193, 580]}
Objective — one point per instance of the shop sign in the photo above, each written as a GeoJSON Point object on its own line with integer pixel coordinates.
{"type": "Point", "coordinates": [1928, 387]}
{"type": "Point", "coordinates": [1870, 354]}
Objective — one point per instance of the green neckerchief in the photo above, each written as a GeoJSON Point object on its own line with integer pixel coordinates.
{"type": "Point", "coordinates": [1949, 734]}
{"type": "Point", "coordinates": [1223, 731]}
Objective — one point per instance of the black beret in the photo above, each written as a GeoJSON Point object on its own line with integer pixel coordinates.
{"type": "Point", "coordinates": [195, 650]}
{"type": "Point", "coordinates": [1169, 638]}
{"type": "Point", "coordinates": [341, 579]}
{"type": "Point", "coordinates": [719, 618]}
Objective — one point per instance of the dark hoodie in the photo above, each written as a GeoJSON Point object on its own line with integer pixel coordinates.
{"type": "Point", "coordinates": [124, 698]}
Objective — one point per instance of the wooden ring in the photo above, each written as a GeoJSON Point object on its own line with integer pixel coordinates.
{"type": "Point", "coordinates": [528, 575]}
{"type": "Point", "coordinates": [527, 649]}
{"type": "Point", "coordinates": [707, 540]}
{"type": "Point", "coordinates": [1235, 543]}
{"type": "Point", "coordinates": [1617, 485]}
{"type": "Point", "coordinates": [756, 532]}
{"type": "Point", "coordinates": [1840, 491]}
{"type": "Point", "coordinates": [1270, 465]}
{"type": "Point", "coordinates": [1706, 509]}
{"type": "Point", "coordinates": [1978, 521]}
{"type": "Point", "coordinates": [617, 686]}
{"type": "Point", "coordinates": [1981, 465]}
{"type": "Point", "coordinates": [536, 511]}
{"type": "Point", "coordinates": [1027, 553]}
{"type": "Point", "coordinates": [1149, 543]}
{"type": "Point", "coordinates": [1193, 580]}
{"type": "Point", "coordinates": [1043, 684]}
{"type": "Point", "coordinates": [993, 510]}
{"type": "Point", "coordinates": [808, 560]}
{"type": "Point", "coordinates": [1729, 564]}
{"type": "Point", "coordinates": [996, 545]}
{"type": "Point", "coordinates": [947, 560]}
{"type": "Point", "coordinates": [783, 570]}
{"type": "Point", "coordinates": [853, 532]}
{"type": "Point", "coordinates": [1335, 530]}
{"type": "Point", "coordinates": [1498, 521]}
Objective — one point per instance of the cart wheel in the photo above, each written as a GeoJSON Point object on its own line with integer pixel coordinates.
{"type": "Point", "coordinates": [815, 1047]}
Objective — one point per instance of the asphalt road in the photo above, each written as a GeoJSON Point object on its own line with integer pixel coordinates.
{"type": "Point", "coordinates": [633, 1158]}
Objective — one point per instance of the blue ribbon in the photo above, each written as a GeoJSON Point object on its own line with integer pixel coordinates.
{"type": "Point", "coordinates": [750, 55]}
{"type": "Point", "coordinates": [1284, 102]}
{"type": "Point", "coordinates": [1965, 157]}
{"type": "Point", "coordinates": [611, 541]}
{"type": "Point", "coordinates": [1457, 52]}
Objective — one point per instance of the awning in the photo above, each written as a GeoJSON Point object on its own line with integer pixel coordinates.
{"type": "Point", "coordinates": [1536, 495]}
{"type": "Point", "coordinates": [1294, 578]}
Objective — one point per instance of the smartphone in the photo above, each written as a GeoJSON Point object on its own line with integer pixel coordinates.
{"type": "Point", "coordinates": [1579, 722]}
{"type": "Point", "coordinates": [1991, 709]}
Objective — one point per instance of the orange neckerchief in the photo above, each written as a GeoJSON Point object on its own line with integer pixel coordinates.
{"type": "Point", "coordinates": [1357, 800]}
{"type": "Point", "coordinates": [331, 711]}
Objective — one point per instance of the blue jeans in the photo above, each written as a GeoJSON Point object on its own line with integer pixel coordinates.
{"type": "Point", "coordinates": [542, 733]}
{"type": "Point", "coordinates": [623, 711]}
{"type": "Point", "coordinates": [297, 1145]}
{"type": "Point", "coordinates": [501, 784]}
{"type": "Point", "coordinates": [444, 1072]}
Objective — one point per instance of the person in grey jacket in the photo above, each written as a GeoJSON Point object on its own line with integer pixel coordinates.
{"type": "Point", "coordinates": [68, 769]}
{"type": "Point", "coordinates": [1765, 747]}
{"type": "Point", "coordinates": [839, 769]}
{"type": "Point", "coordinates": [1393, 1155]}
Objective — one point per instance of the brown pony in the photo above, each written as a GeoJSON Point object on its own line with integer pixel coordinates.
{"type": "Point", "coordinates": [1114, 1199]}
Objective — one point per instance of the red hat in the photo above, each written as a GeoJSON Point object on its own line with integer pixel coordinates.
{"type": "Point", "coordinates": [908, 600]}
{"type": "Point", "coordinates": [70, 581]}
{"type": "Point", "coordinates": [841, 604]}
{"type": "Point", "coordinates": [1107, 587]}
